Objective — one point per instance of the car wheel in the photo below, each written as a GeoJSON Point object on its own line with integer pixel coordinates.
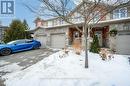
{"type": "Point", "coordinates": [5, 51]}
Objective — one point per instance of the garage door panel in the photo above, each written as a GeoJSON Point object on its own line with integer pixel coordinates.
{"type": "Point", "coordinates": [58, 40]}
{"type": "Point", "coordinates": [42, 40]}
{"type": "Point", "coordinates": [123, 44]}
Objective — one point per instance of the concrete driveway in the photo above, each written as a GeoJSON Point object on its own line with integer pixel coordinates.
{"type": "Point", "coordinates": [21, 60]}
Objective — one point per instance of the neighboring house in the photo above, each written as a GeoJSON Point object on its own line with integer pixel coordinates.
{"type": "Point", "coordinates": [56, 33]}
{"type": "Point", "coordinates": [2, 29]}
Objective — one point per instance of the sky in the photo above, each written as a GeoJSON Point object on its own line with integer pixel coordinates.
{"type": "Point", "coordinates": [22, 12]}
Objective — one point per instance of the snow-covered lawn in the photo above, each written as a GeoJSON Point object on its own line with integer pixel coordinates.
{"type": "Point", "coordinates": [68, 70]}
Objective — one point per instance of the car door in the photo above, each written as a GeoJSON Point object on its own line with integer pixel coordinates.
{"type": "Point", "coordinates": [28, 44]}
{"type": "Point", "coordinates": [19, 45]}
{"type": "Point", "coordinates": [25, 45]}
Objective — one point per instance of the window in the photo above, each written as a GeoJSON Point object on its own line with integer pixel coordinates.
{"type": "Point", "coordinates": [76, 34]}
{"type": "Point", "coordinates": [29, 41]}
{"type": "Point", "coordinates": [46, 24]}
{"type": "Point", "coordinates": [126, 27]}
{"type": "Point", "coordinates": [120, 13]}
{"type": "Point", "coordinates": [95, 16]}
{"type": "Point", "coordinates": [17, 42]}
{"type": "Point", "coordinates": [20, 41]}
{"type": "Point", "coordinates": [61, 21]}
{"type": "Point", "coordinates": [55, 22]}
{"type": "Point", "coordinates": [78, 17]}
{"type": "Point", "coordinates": [50, 23]}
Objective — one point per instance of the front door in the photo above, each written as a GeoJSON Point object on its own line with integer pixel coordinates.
{"type": "Point", "coordinates": [99, 35]}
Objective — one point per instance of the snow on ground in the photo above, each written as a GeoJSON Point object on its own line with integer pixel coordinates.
{"type": "Point", "coordinates": [68, 70]}
{"type": "Point", "coordinates": [2, 62]}
{"type": "Point", "coordinates": [11, 68]}
{"type": "Point", "coordinates": [43, 54]}
{"type": "Point", "coordinates": [54, 49]}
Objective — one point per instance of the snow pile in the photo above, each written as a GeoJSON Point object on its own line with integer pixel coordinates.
{"type": "Point", "coordinates": [68, 70]}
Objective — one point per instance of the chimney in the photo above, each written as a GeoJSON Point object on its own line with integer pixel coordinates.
{"type": "Point", "coordinates": [38, 22]}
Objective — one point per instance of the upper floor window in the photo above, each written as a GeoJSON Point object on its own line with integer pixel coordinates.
{"type": "Point", "coordinates": [50, 23]}
{"type": "Point", "coordinates": [95, 16]}
{"type": "Point", "coordinates": [61, 21]}
{"type": "Point", "coordinates": [45, 24]}
{"type": "Point", "coordinates": [120, 13]}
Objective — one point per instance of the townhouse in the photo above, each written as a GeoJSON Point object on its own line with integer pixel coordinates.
{"type": "Point", "coordinates": [56, 33]}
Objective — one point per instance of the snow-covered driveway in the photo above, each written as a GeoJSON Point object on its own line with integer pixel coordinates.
{"type": "Point", "coordinates": [22, 60]}
{"type": "Point", "coordinates": [68, 70]}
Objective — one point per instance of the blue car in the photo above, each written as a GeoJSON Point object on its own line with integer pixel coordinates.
{"type": "Point", "coordinates": [19, 45]}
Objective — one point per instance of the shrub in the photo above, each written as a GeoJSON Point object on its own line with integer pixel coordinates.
{"type": "Point", "coordinates": [95, 45]}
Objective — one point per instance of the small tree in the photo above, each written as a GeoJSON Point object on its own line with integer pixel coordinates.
{"type": "Point", "coordinates": [95, 45]}
{"type": "Point", "coordinates": [26, 28]}
{"type": "Point", "coordinates": [15, 31]}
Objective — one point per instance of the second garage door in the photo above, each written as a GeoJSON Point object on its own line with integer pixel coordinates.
{"type": "Point", "coordinates": [58, 40]}
{"type": "Point", "coordinates": [123, 44]}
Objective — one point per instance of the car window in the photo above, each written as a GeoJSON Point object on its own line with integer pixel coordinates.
{"type": "Point", "coordinates": [17, 42]}
{"type": "Point", "coordinates": [29, 41]}
{"type": "Point", "coordinates": [12, 42]}
{"type": "Point", "coordinates": [20, 41]}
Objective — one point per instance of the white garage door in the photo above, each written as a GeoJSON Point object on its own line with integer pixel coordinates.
{"type": "Point", "coordinates": [58, 40]}
{"type": "Point", "coordinates": [43, 40]}
{"type": "Point", "coordinates": [123, 44]}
